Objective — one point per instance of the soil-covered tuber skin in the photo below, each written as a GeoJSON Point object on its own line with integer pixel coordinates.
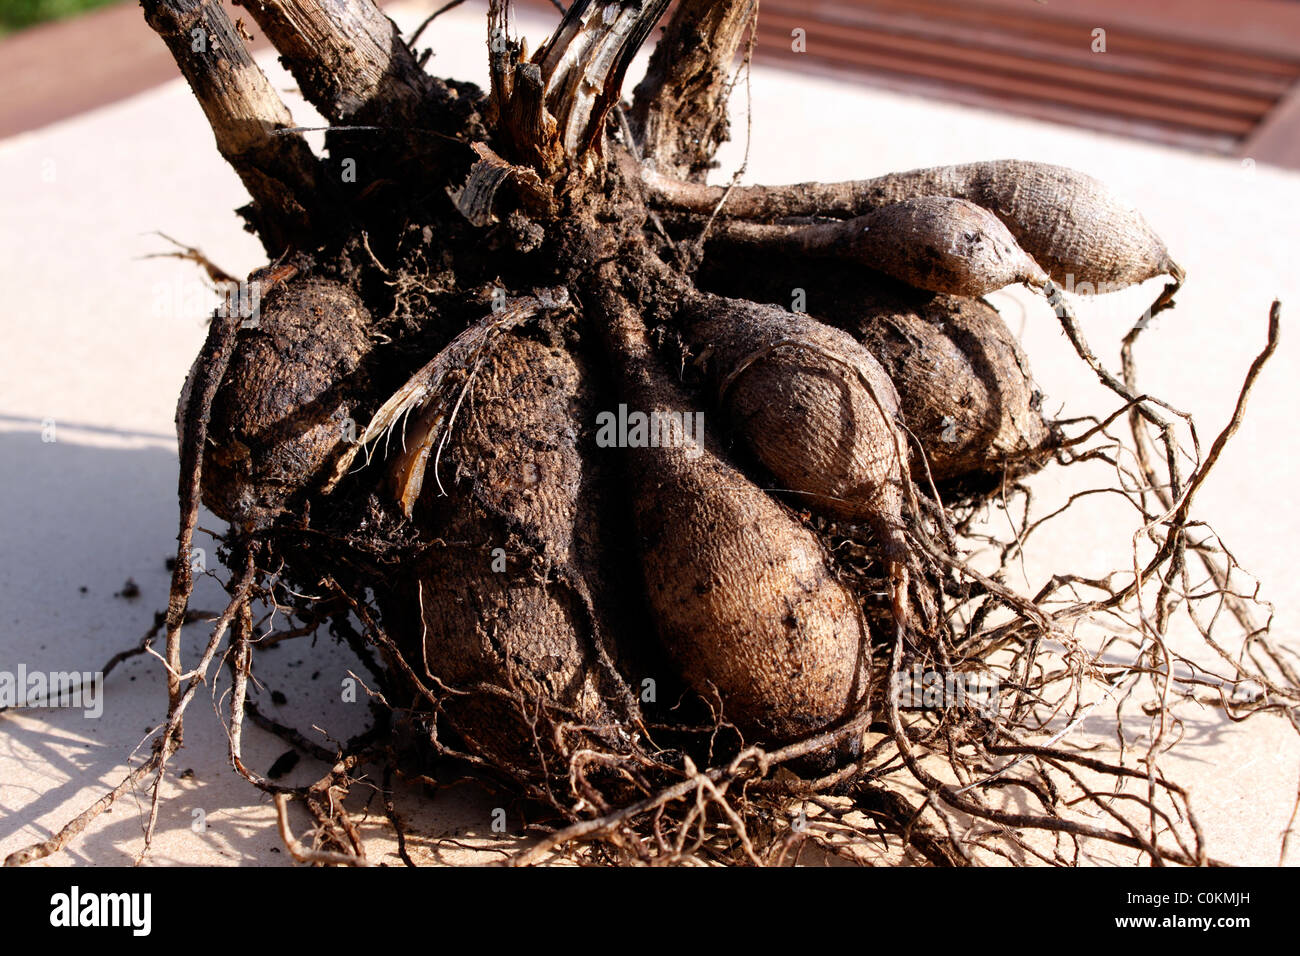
{"type": "Point", "coordinates": [935, 243]}
{"type": "Point", "coordinates": [294, 393]}
{"type": "Point", "coordinates": [969, 395]}
{"type": "Point", "coordinates": [1073, 225]}
{"type": "Point", "coordinates": [511, 605]}
{"type": "Point", "coordinates": [965, 388]}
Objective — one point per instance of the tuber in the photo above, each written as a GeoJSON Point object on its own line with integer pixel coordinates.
{"type": "Point", "coordinates": [500, 607]}
{"type": "Point", "coordinates": [933, 243]}
{"type": "Point", "coordinates": [745, 598]}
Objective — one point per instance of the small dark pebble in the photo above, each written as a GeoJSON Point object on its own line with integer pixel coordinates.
{"type": "Point", "coordinates": [283, 764]}
{"type": "Point", "coordinates": [169, 564]}
{"type": "Point", "coordinates": [130, 590]}
{"type": "Point", "coordinates": [278, 698]}
{"type": "Point", "coordinates": [315, 674]}
{"type": "Point", "coordinates": [187, 773]}
{"type": "Point", "coordinates": [83, 589]}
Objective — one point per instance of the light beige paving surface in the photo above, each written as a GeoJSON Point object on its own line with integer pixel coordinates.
{"type": "Point", "coordinates": [98, 339]}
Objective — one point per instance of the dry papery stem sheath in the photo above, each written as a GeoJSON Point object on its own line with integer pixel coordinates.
{"type": "Point", "coordinates": [747, 644]}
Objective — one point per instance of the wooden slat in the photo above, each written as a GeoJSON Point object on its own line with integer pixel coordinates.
{"type": "Point", "coordinates": [1125, 56]}
{"type": "Point", "coordinates": [1252, 30]}
{"type": "Point", "coordinates": [1190, 87]}
{"type": "Point", "coordinates": [938, 63]}
{"type": "Point", "coordinates": [1183, 36]}
{"type": "Point", "coordinates": [1047, 69]}
{"type": "Point", "coordinates": [1277, 139]}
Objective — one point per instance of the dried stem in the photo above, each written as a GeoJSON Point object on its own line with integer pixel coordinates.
{"type": "Point", "coordinates": [679, 110]}
{"type": "Point", "coordinates": [247, 118]}
{"type": "Point", "coordinates": [348, 57]}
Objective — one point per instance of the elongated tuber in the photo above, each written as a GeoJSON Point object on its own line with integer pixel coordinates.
{"type": "Point", "coordinates": [502, 614]}
{"type": "Point", "coordinates": [964, 383]}
{"type": "Point", "coordinates": [933, 243]}
{"type": "Point", "coordinates": [744, 597]}
{"type": "Point", "coordinates": [814, 406]}
{"type": "Point", "coordinates": [1071, 224]}
{"type": "Point", "coordinates": [964, 386]}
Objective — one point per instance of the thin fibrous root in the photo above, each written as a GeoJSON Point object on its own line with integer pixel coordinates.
{"type": "Point", "coordinates": [303, 854]}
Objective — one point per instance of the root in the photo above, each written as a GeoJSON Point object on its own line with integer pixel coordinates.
{"type": "Point", "coordinates": [301, 853]}
{"type": "Point", "coordinates": [170, 740]}
{"type": "Point", "coordinates": [750, 762]}
{"type": "Point", "coordinates": [218, 275]}
{"type": "Point", "coordinates": [211, 368]}
{"type": "Point", "coordinates": [212, 364]}
{"type": "Point", "coordinates": [74, 828]}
